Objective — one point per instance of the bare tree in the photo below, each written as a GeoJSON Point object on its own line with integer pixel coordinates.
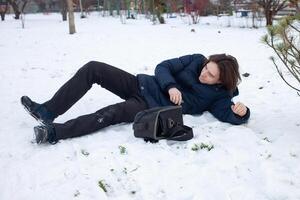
{"type": "Point", "coordinates": [256, 13]}
{"type": "Point", "coordinates": [271, 8]}
{"type": "Point", "coordinates": [15, 7]}
{"type": "Point", "coordinates": [195, 8]}
{"type": "Point", "coordinates": [224, 6]}
{"type": "Point", "coordinates": [153, 9]}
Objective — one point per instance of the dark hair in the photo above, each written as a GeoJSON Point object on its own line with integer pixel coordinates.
{"type": "Point", "coordinates": [229, 70]}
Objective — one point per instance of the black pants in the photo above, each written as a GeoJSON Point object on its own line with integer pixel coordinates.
{"type": "Point", "coordinates": [117, 81]}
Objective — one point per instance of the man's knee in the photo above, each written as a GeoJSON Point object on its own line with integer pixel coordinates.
{"type": "Point", "coordinates": [93, 71]}
{"type": "Point", "coordinates": [92, 66]}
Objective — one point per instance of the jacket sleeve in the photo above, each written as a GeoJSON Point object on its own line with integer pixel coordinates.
{"type": "Point", "coordinates": [165, 71]}
{"type": "Point", "coordinates": [221, 109]}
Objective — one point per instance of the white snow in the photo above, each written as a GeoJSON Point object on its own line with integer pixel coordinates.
{"type": "Point", "coordinates": [257, 160]}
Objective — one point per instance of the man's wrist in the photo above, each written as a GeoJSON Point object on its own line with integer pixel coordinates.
{"type": "Point", "coordinates": [172, 85]}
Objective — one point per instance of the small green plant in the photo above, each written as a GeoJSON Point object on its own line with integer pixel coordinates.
{"type": "Point", "coordinates": [293, 155]}
{"type": "Point", "coordinates": [125, 170]}
{"type": "Point", "coordinates": [85, 152]}
{"type": "Point", "coordinates": [102, 185]}
{"type": "Point", "coordinates": [207, 146]}
{"type": "Point", "coordinates": [77, 193]}
{"type": "Point", "coordinates": [122, 150]}
{"type": "Point", "coordinates": [197, 147]}
{"type": "Point", "coordinates": [267, 139]}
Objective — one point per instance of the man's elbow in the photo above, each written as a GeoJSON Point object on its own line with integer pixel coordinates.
{"type": "Point", "coordinates": [235, 119]}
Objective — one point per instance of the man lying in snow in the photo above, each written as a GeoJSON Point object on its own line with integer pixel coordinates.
{"type": "Point", "coordinates": [196, 83]}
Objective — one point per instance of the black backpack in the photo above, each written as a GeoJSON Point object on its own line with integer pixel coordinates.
{"type": "Point", "coordinates": [161, 123]}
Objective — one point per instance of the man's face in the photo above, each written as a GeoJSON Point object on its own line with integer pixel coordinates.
{"type": "Point", "coordinates": [210, 74]}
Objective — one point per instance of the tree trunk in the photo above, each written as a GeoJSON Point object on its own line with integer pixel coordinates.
{"type": "Point", "coordinates": [297, 9]}
{"type": "Point", "coordinates": [64, 9]}
{"type": "Point", "coordinates": [71, 17]}
{"type": "Point", "coordinates": [3, 10]}
{"type": "Point", "coordinates": [2, 16]}
{"type": "Point", "coordinates": [81, 9]}
{"type": "Point", "coordinates": [159, 11]}
{"type": "Point", "coordinates": [110, 8]}
{"type": "Point", "coordinates": [118, 7]}
{"type": "Point", "coordinates": [269, 18]}
{"type": "Point", "coordinates": [23, 6]}
{"type": "Point", "coordinates": [15, 8]}
{"type": "Point", "coordinates": [64, 14]}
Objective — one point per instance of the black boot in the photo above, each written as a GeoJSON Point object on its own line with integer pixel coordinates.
{"type": "Point", "coordinates": [38, 111]}
{"type": "Point", "coordinates": [45, 134]}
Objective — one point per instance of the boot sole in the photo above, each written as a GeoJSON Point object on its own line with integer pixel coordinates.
{"type": "Point", "coordinates": [35, 117]}
{"type": "Point", "coordinates": [36, 133]}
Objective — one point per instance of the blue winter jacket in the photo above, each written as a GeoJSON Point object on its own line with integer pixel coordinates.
{"type": "Point", "coordinates": [183, 73]}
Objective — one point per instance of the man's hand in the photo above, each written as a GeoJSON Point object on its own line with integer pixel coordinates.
{"type": "Point", "coordinates": [239, 109]}
{"type": "Point", "coordinates": [175, 96]}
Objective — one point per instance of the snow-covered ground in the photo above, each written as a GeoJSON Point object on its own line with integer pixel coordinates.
{"type": "Point", "coordinates": [258, 160]}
